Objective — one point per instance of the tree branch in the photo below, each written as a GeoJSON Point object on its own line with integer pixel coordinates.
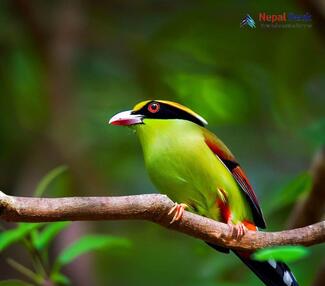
{"type": "Point", "coordinates": [152, 208]}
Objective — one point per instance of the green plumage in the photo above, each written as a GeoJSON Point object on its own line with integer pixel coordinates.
{"type": "Point", "coordinates": [182, 166]}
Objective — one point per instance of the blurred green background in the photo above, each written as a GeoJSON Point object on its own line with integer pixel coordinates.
{"type": "Point", "coordinates": [68, 66]}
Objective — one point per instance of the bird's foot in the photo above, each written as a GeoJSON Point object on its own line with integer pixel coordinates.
{"type": "Point", "coordinates": [237, 231]}
{"type": "Point", "coordinates": [178, 210]}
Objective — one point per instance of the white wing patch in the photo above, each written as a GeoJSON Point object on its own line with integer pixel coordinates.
{"type": "Point", "coordinates": [287, 278]}
{"type": "Point", "coordinates": [272, 263]}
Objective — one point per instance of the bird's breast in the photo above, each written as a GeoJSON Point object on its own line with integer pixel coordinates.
{"type": "Point", "coordinates": [183, 168]}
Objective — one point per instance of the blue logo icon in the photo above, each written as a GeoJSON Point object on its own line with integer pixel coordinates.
{"type": "Point", "coordinates": [248, 21]}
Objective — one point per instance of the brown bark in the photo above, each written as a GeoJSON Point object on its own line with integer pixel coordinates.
{"type": "Point", "coordinates": [151, 208]}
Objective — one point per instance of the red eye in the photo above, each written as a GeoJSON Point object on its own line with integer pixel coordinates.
{"type": "Point", "coordinates": [154, 107]}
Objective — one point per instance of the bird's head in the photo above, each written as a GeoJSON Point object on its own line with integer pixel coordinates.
{"type": "Point", "coordinates": [146, 111]}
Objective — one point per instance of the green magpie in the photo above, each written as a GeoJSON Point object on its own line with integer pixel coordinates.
{"type": "Point", "coordinates": [194, 167]}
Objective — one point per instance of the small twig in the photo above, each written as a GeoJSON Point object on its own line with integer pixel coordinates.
{"type": "Point", "coordinates": [25, 271]}
{"type": "Point", "coordinates": [153, 208]}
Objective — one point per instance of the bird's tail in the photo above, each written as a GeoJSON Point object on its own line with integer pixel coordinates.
{"type": "Point", "coordinates": [271, 272]}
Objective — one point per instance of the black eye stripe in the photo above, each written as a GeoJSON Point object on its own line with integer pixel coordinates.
{"type": "Point", "coordinates": [166, 111]}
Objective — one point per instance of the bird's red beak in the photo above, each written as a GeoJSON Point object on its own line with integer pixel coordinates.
{"type": "Point", "coordinates": [126, 118]}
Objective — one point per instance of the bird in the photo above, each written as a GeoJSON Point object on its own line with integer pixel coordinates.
{"type": "Point", "coordinates": [194, 168]}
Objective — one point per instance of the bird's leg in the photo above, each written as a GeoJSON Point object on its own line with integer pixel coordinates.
{"type": "Point", "coordinates": [237, 230]}
{"type": "Point", "coordinates": [178, 209]}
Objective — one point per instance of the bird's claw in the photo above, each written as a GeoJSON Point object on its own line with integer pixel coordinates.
{"type": "Point", "coordinates": [178, 209]}
{"type": "Point", "coordinates": [237, 231]}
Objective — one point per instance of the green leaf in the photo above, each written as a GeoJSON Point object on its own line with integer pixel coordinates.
{"type": "Point", "coordinates": [219, 98]}
{"type": "Point", "coordinates": [89, 243]}
{"type": "Point", "coordinates": [281, 253]}
{"type": "Point", "coordinates": [315, 132]}
{"type": "Point", "coordinates": [293, 190]}
{"type": "Point", "coordinates": [49, 233]}
{"type": "Point", "coordinates": [47, 179]}
{"type": "Point", "coordinates": [59, 278]}
{"type": "Point", "coordinates": [14, 235]}
{"type": "Point", "coordinates": [14, 282]}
